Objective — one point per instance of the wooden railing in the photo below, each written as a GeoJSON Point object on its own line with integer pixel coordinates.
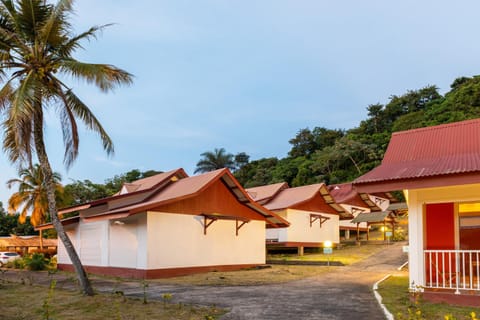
{"type": "Point", "coordinates": [452, 269]}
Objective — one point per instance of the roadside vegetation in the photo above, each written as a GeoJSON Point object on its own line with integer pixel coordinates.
{"type": "Point", "coordinates": [53, 303]}
{"type": "Point", "coordinates": [397, 299]}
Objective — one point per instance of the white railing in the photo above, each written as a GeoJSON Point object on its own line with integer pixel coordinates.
{"type": "Point", "coordinates": [452, 269]}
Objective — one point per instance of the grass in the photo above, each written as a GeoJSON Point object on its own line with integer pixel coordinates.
{"type": "Point", "coordinates": [347, 255]}
{"type": "Point", "coordinates": [34, 302]}
{"type": "Point", "coordinates": [278, 273]}
{"type": "Point", "coordinates": [275, 274]}
{"type": "Point", "coordinates": [396, 297]}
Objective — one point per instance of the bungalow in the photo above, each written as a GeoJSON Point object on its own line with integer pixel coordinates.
{"type": "Point", "coordinates": [170, 224]}
{"type": "Point", "coordinates": [311, 211]}
{"type": "Point", "coordinates": [357, 203]}
{"type": "Point", "coordinates": [28, 244]}
{"type": "Point", "coordinates": [439, 170]}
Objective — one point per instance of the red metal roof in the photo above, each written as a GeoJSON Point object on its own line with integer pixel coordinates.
{"type": "Point", "coordinates": [188, 187]}
{"type": "Point", "coordinates": [279, 196]}
{"type": "Point", "coordinates": [264, 194]}
{"type": "Point", "coordinates": [444, 150]}
{"type": "Point", "coordinates": [345, 193]}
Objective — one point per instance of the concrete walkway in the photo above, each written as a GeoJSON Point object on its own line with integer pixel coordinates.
{"type": "Point", "coordinates": [344, 293]}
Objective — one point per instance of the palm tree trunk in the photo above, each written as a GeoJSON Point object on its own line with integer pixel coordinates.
{"type": "Point", "coordinates": [52, 207]}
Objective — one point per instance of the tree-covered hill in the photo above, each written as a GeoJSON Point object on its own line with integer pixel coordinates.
{"type": "Point", "coordinates": [336, 155]}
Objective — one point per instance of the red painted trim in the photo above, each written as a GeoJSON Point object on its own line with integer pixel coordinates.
{"type": "Point", "coordinates": [466, 299]}
{"type": "Point", "coordinates": [154, 273]}
{"type": "Point", "coordinates": [418, 183]}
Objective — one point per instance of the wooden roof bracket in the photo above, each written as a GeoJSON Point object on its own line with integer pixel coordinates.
{"type": "Point", "coordinates": [238, 226]}
{"type": "Point", "coordinates": [319, 217]}
{"type": "Point", "coordinates": [208, 219]}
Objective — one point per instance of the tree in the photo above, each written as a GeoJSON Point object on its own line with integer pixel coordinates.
{"type": "Point", "coordinates": [241, 159]}
{"type": "Point", "coordinates": [31, 196]}
{"type": "Point", "coordinates": [216, 159]}
{"type": "Point", "coordinates": [37, 43]}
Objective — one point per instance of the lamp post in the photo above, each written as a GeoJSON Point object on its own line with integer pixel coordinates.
{"type": "Point", "coordinates": [327, 249]}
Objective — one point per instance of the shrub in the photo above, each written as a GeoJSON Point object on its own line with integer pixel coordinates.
{"type": "Point", "coordinates": [16, 264]}
{"type": "Point", "coordinates": [36, 262]}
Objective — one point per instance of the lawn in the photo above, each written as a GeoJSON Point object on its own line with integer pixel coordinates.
{"type": "Point", "coordinates": [346, 254]}
{"type": "Point", "coordinates": [279, 273]}
{"type": "Point", "coordinates": [23, 301]}
{"type": "Point", "coordinates": [396, 298]}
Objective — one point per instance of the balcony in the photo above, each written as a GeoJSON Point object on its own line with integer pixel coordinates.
{"type": "Point", "coordinates": [457, 270]}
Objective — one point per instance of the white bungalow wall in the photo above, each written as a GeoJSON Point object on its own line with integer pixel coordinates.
{"type": "Point", "coordinates": [300, 230]}
{"type": "Point", "coordinates": [177, 240]}
{"type": "Point", "coordinates": [416, 200]}
{"type": "Point", "coordinates": [166, 241]}
{"type": "Point", "coordinates": [108, 243]}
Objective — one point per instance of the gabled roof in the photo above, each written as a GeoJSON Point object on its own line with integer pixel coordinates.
{"type": "Point", "coordinates": [435, 156]}
{"type": "Point", "coordinates": [372, 217]}
{"type": "Point", "coordinates": [279, 196]}
{"type": "Point", "coordinates": [345, 193]}
{"type": "Point", "coordinates": [147, 186]}
{"type": "Point", "coordinates": [264, 194]}
{"type": "Point", "coordinates": [179, 189]}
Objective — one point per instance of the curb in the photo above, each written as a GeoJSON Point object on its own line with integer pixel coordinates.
{"type": "Point", "coordinates": [387, 313]}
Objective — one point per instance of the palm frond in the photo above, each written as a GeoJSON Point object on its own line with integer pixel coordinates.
{"type": "Point", "coordinates": [104, 76]}
{"type": "Point", "coordinates": [56, 26]}
{"type": "Point", "coordinates": [80, 110]}
{"type": "Point", "coordinates": [66, 49]}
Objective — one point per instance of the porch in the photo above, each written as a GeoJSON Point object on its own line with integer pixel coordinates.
{"type": "Point", "coordinates": [453, 270]}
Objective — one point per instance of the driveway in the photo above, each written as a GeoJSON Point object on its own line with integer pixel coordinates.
{"type": "Point", "coordinates": [344, 293]}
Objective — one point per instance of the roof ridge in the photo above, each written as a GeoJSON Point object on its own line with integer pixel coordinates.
{"type": "Point", "coordinates": [438, 126]}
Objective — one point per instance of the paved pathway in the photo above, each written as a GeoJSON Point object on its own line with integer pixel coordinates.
{"type": "Point", "coordinates": [345, 293]}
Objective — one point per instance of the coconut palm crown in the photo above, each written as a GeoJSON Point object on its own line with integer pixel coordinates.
{"type": "Point", "coordinates": [36, 50]}
{"type": "Point", "coordinates": [37, 44]}
{"type": "Point", "coordinates": [216, 159]}
{"type": "Point", "coordinates": [31, 196]}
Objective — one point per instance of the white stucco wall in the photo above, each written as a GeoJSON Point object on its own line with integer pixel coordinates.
{"type": "Point", "coordinates": [300, 230]}
{"type": "Point", "coordinates": [416, 200]}
{"type": "Point", "coordinates": [177, 240]}
{"type": "Point", "coordinates": [166, 241]}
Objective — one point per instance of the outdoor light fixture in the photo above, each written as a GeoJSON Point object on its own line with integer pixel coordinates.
{"type": "Point", "coordinates": [327, 244]}
{"type": "Point", "coordinates": [118, 223]}
{"type": "Point", "coordinates": [327, 249]}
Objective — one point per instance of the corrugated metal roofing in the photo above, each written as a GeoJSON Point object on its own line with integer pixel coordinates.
{"type": "Point", "coordinates": [263, 194]}
{"type": "Point", "coordinates": [371, 217]}
{"type": "Point", "coordinates": [191, 186]}
{"type": "Point", "coordinates": [287, 198]}
{"type": "Point", "coordinates": [345, 193]}
{"type": "Point", "coordinates": [278, 196]}
{"type": "Point", "coordinates": [447, 149]}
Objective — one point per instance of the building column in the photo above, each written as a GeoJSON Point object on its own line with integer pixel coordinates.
{"type": "Point", "coordinates": [300, 250]}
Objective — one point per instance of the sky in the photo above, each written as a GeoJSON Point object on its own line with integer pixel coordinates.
{"type": "Point", "coordinates": [248, 75]}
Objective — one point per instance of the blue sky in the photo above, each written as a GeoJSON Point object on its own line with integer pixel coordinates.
{"type": "Point", "coordinates": [247, 75]}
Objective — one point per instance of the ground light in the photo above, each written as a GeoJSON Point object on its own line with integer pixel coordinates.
{"type": "Point", "coordinates": [327, 249]}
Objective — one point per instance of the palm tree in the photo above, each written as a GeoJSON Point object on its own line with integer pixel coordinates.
{"type": "Point", "coordinates": [37, 43]}
{"type": "Point", "coordinates": [215, 160]}
{"type": "Point", "coordinates": [32, 196]}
